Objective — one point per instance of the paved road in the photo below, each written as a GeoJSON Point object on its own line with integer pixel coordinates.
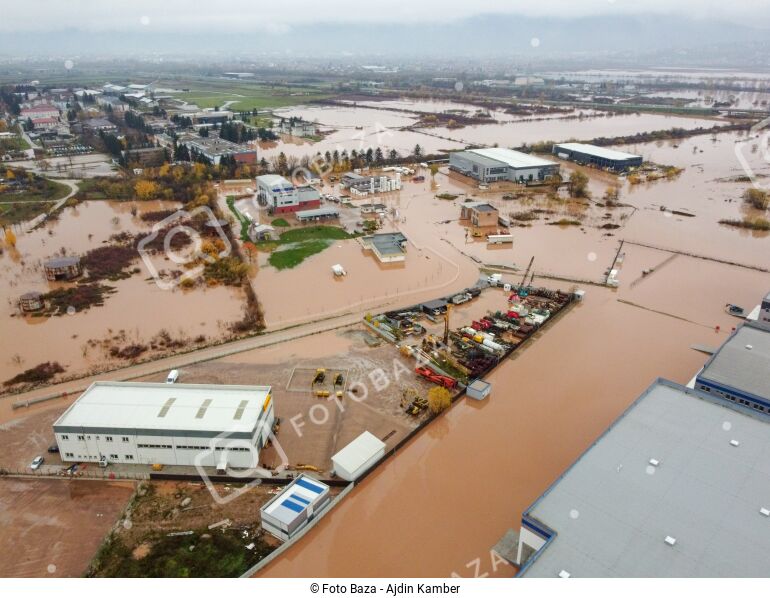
{"type": "Point", "coordinates": [186, 359]}
{"type": "Point", "coordinates": [73, 185]}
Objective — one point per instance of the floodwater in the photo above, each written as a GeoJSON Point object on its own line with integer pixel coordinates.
{"type": "Point", "coordinates": [456, 488]}
{"type": "Point", "coordinates": [360, 127]}
{"type": "Point", "coordinates": [127, 313]}
{"type": "Point", "coordinates": [459, 486]}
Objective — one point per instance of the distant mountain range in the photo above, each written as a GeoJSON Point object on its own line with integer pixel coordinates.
{"type": "Point", "coordinates": [666, 38]}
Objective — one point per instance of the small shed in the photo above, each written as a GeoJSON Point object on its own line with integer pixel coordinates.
{"type": "Point", "coordinates": [478, 390]}
{"type": "Point", "coordinates": [62, 268]}
{"type": "Point", "coordinates": [434, 308]}
{"type": "Point", "coordinates": [287, 513]}
{"type": "Point", "coordinates": [358, 456]}
{"type": "Point", "coordinates": [32, 301]}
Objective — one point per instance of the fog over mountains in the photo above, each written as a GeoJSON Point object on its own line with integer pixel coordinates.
{"type": "Point", "coordinates": [659, 38]}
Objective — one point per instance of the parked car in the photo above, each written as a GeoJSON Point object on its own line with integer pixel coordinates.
{"type": "Point", "coordinates": [173, 376]}
{"type": "Point", "coordinates": [54, 448]}
{"type": "Point", "coordinates": [36, 463]}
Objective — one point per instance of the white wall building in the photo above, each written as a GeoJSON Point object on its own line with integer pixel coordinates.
{"type": "Point", "coordinates": [168, 424]}
{"type": "Point", "coordinates": [358, 456]}
{"type": "Point", "coordinates": [287, 513]}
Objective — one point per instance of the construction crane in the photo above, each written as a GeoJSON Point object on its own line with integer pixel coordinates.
{"type": "Point", "coordinates": [446, 325]}
{"type": "Point", "coordinates": [526, 272]}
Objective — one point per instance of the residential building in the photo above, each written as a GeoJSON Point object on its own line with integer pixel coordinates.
{"type": "Point", "coordinates": [62, 268]}
{"type": "Point", "coordinates": [45, 123]}
{"type": "Point", "coordinates": [500, 164]}
{"type": "Point", "coordinates": [168, 424]}
{"type": "Point", "coordinates": [40, 111]}
{"type": "Point", "coordinates": [678, 486]}
{"type": "Point", "coordinates": [281, 196]}
{"type": "Point", "coordinates": [479, 213]}
{"type": "Point", "coordinates": [602, 157]}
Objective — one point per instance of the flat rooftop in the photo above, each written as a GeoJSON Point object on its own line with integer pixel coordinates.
{"type": "Point", "coordinates": [386, 243]}
{"type": "Point", "coordinates": [512, 158]}
{"type": "Point", "coordinates": [159, 406]}
{"type": "Point", "coordinates": [292, 502]}
{"type": "Point", "coordinates": [595, 150]}
{"type": "Point", "coordinates": [612, 510]}
{"type": "Point", "coordinates": [737, 366]}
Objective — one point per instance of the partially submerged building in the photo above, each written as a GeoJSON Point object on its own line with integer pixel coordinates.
{"type": "Point", "coordinates": [292, 509]}
{"type": "Point", "coordinates": [678, 486]}
{"type": "Point", "coordinates": [317, 214]}
{"type": "Point", "coordinates": [594, 155]}
{"type": "Point", "coordinates": [282, 196]}
{"type": "Point", "coordinates": [388, 247]}
{"type": "Point", "coordinates": [479, 213]}
{"type": "Point", "coordinates": [62, 268]}
{"type": "Point", "coordinates": [32, 301]}
{"type": "Point", "coordinates": [492, 164]}
{"type": "Point", "coordinates": [363, 185]}
{"type": "Point", "coordinates": [169, 424]}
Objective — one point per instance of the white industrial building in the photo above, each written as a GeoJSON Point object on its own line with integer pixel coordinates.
{"type": "Point", "coordinates": [358, 456]}
{"type": "Point", "coordinates": [287, 513]}
{"type": "Point", "coordinates": [492, 164]}
{"type": "Point", "coordinates": [169, 424]}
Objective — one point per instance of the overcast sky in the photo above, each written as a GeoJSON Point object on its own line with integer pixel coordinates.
{"type": "Point", "coordinates": [279, 15]}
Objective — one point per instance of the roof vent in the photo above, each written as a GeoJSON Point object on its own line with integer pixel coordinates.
{"type": "Point", "coordinates": [670, 540]}
{"type": "Point", "coordinates": [749, 347]}
{"type": "Point", "coordinates": [654, 462]}
{"type": "Point", "coordinates": [564, 574]}
{"type": "Point", "coordinates": [734, 443]}
{"type": "Point", "coordinates": [765, 512]}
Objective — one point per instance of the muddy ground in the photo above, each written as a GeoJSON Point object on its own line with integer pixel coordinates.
{"type": "Point", "coordinates": [52, 528]}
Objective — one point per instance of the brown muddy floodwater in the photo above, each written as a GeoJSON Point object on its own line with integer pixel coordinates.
{"type": "Point", "coordinates": [137, 311]}
{"type": "Point", "coordinates": [362, 127]}
{"type": "Point", "coordinates": [439, 506]}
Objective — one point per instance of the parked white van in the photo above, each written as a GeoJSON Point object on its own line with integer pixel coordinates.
{"type": "Point", "coordinates": [173, 376]}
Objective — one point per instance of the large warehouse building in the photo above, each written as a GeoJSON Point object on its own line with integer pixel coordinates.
{"type": "Point", "coordinates": [500, 164]}
{"type": "Point", "coordinates": [739, 371]}
{"type": "Point", "coordinates": [169, 424]}
{"type": "Point", "coordinates": [603, 157]}
{"type": "Point", "coordinates": [679, 486]}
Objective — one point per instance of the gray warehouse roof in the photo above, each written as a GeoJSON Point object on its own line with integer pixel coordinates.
{"type": "Point", "coordinates": [739, 367]}
{"type": "Point", "coordinates": [595, 150]}
{"type": "Point", "coordinates": [613, 509]}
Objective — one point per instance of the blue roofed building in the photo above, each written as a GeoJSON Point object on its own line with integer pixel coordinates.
{"type": "Point", "coordinates": [287, 513]}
